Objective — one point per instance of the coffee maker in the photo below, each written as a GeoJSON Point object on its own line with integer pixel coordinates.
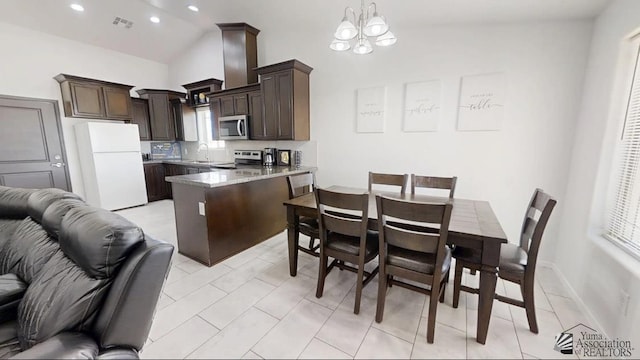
{"type": "Point", "coordinates": [269, 157]}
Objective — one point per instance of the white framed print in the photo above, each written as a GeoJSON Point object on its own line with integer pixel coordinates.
{"type": "Point", "coordinates": [481, 105]}
{"type": "Point", "coordinates": [422, 106]}
{"type": "Point", "coordinates": [370, 110]}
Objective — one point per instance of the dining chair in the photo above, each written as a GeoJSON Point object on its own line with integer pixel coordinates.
{"type": "Point", "coordinates": [413, 252]}
{"type": "Point", "coordinates": [517, 262]}
{"type": "Point", "coordinates": [343, 220]}
{"type": "Point", "coordinates": [388, 179]}
{"type": "Point", "coordinates": [433, 182]}
{"type": "Point", "coordinates": [299, 185]}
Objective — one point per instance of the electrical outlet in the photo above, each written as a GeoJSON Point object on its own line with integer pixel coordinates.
{"type": "Point", "coordinates": [201, 208]}
{"type": "Point", "coordinates": [624, 302]}
{"type": "Point", "coordinates": [186, 151]}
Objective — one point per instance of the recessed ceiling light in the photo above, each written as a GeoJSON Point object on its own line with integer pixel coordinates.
{"type": "Point", "coordinates": [193, 8]}
{"type": "Point", "coordinates": [77, 7]}
{"type": "Point", "coordinates": [154, 19]}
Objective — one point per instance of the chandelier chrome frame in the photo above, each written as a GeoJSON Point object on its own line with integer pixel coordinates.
{"type": "Point", "coordinates": [367, 25]}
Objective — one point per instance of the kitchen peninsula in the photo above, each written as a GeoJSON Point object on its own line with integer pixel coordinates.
{"type": "Point", "coordinates": [223, 212]}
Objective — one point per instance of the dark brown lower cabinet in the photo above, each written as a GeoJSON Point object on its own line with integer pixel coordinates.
{"type": "Point", "coordinates": [157, 188]}
{"type": "Point", "coordinates": [154, 174]}
{"type": "Point", "coordinates": [235, 218]}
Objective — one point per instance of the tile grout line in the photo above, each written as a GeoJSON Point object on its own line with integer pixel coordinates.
{"type": "Point", "coordinates": [324, 342]}
{"type": "Point", "coordinates": [276, 324]}
{"type": "Point", "coordinates": [361, 342]}
{"type": "Point", "coordinates": [513, 322]}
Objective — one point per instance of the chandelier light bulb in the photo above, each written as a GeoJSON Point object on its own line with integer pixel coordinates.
{"type": "Point", "coordinates": [361, 27]}
{"type": "Point", "coordinates": [339, 45]}
{"type": "Point", "coordinates": [77, 7]}
{"type": "Point", "coordinates": [386, 39]}
{"type": "Point", "coordinates": [364, 47]}
{"type": "Point", "coordinates": [346, 30]}
{"type": "Point", "coordinates": [376, 26]}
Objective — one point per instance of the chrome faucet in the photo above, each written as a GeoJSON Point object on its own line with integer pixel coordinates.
{"type": "Point", "coordinates": [206, 146]}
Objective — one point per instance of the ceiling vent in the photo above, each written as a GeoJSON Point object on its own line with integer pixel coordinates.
{"type": "Point", "coordinates": [121, 22]}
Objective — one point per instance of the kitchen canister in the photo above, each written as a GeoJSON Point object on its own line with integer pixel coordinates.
{"type": "Point", "coordinates": [297, 158]}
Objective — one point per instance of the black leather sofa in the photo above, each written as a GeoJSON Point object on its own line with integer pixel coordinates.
{"type": "Point", "coordinates": [75, 281]}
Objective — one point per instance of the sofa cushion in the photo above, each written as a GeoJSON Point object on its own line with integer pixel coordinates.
{"type": "Point", "coordinates": [98, 240]}
{"type": "Point", "coordinates": [40, 200]}
{"type": "Point", "coordinates": [26, 235]}
{"type": "Point", "coordinates": [126, 324]}
{"type": "Point", "coordinates": [7, 227]}
{"type": "Point", "coordinates": [11, 291]}
{"type": "Point", "coordinates": [67, 293]}
{"type": "Point", "coordinates": [13, 202]}
{"type": "Point", "coordinates": [9, 345]}
{"type": "Point", "coordinates": [52, 216]}
{"type": "Point", "coordinates": [63, 297]}
{"type": "Point", "coordinates": [68, 345]}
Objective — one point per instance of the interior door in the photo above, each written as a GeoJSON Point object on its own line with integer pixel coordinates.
{"type": "Point", "coordinates": [31, 144]}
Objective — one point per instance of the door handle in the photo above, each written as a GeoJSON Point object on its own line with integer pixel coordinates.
{"type": "Point", "coordinates": [239, 127]}
{"type": "Point", "coordinates": [58, 165]}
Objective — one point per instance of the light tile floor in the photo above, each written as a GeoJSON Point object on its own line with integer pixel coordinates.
{"type": "Point", "coordinates": [249, 307]}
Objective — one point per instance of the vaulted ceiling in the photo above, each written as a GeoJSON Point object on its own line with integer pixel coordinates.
{"type": "Point", "coordinates": [180, 27]}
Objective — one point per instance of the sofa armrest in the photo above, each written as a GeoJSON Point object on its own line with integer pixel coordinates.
{"type": "Point", "coordinates": [66, 345]}
{"type": "Point", "coordinates": [118, 353]}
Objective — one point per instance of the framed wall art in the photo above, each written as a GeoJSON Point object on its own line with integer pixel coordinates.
{"type": "Point", "coordinates": [481, 105]}
{"type": "Point", "coordinates": [422, 106]}
{"type": "Point", "coordinates": [370, 108]}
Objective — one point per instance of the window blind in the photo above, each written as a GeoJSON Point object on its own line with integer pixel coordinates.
{"type": "Point", "coordinates": [624, 221]}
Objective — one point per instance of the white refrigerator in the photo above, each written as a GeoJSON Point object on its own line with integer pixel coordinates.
{"type": "Point", "coordinates": [111, 164]}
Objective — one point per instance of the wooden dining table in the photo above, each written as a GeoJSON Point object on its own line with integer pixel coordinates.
{"type": "Point", "coordinates": [473, 226]}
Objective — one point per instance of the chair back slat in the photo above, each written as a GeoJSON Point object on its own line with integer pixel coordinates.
{"type": "Point", "coordinates": [414, 211]}
{"type": "Point", "coordinates": [388, 179]}
{"type": "Point", "coordinates": [341, 225]}
{"type": "Point", "coordinates": [343, 213]}
{"type": "Point", "coordinates": [409, 236]}
{"type": "Point", "coordinates": [527, 233]}
{"type": "Point", "coordinates": [540, 200]}
{"type": "Point", "coordinates": [433, 182]}
{"type": "Point", "coordinates": [407, 239]}
{"type": "Point", "coordinates": [300, 184]}
{"type": "Point", "coordinates": [339, 200]}
{"type": "Point", "coordinates": [532, 229]}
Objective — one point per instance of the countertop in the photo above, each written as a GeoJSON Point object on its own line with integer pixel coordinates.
{"type": "Point", "coordinates": [224, 177]}
{"type": "Point", "coordinates": [192, 163]}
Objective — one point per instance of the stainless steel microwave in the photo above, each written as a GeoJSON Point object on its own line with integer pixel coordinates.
{"type": "Point", "coordinates": [234, 127]}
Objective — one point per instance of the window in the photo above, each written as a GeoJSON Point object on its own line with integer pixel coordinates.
{"type": "Point", "coordinates": [624, 218]}
{"type": "Point", "coordinates": [205, 131]}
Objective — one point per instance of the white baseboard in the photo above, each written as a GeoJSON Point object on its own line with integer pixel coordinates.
{"type": "Point", "coordinates": [574, 296]}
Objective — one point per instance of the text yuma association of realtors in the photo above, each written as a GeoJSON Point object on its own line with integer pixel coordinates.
{"type": "Point", "coordinates": [597, 345]}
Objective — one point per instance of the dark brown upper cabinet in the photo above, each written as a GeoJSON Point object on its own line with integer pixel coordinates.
{"type": "Point", "coordinates": [161, 113]}
{"type": "Point", "coordinates": [95, 99]}
{"type": "Point", "coordinates": [285, 98]}
{"type": "Point", "coordinates": [234, 105]}
{"type": "Point", "coordinates": [197, 92]}
{"type": "Point", "coordinates": [141, 118]}
{"type": "Point", "coordinates": [256, 124]}
{"type": "Point", "coordinates": [185, 120]}
{"type": "Point", "coordinates": [240, 54]}
{"type": "Point", "coordinates": [235, 101]}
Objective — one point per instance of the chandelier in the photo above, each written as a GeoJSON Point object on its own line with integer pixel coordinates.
{"type": "Point", "coordinates": [367, 25]}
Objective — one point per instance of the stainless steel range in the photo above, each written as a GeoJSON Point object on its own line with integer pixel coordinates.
{"type": "Point", "coordinates": [248, 157]}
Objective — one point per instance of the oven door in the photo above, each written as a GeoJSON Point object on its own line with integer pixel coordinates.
{"type": "Point", "coordinates": [233, 128]}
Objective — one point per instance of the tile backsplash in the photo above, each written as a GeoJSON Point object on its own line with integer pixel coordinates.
{"type": "Point", "coordinates": [194, 151]}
